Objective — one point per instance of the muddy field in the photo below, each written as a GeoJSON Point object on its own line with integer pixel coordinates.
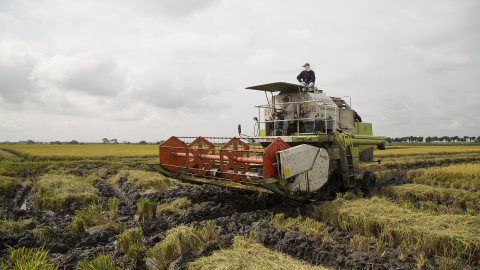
{"type": "Point", "coordinates": [235, 211]}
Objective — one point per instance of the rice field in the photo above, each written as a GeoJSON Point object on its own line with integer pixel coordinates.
{"type": "Point", "coordinates": [451, 236]}
{"type": "Point", "coordinates": [415, 150]}
{"type": "Point", "coordinates": [436, 216]}
{"type": "Point", "coordinates": [76, 152]}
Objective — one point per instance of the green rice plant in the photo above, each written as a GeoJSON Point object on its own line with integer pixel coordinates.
{"type": "Point", "coordinates": [29, 258]}
{"type": "Point", "coordinates": [12, 169]}
{"type": "Point", "coordinates": [381, 248]}
{"type": "Point", "coordinates": [463, 200]}
{"type": "Point", "coordinates": [179, 240]}
{"type": "Point", "coordinates": [57, 191]}
{"type": "Point", "coordinates": [450, 176]}
{"type": "Point", "coordinates": [146, 181]}
{"type": "Point", "coordinates": [421, 260]}
{"type": "Point", "coordinates": [113, 204]}
{"type": "Point", "coordinates": [349, 195]}
{"type": "Point", "coordinates": [403, 254]}
{"type": "Point", "coordinates": [45, 232]}
{"type": "Point", "coordinates": [442, 209]}
{"type": "Point", "coordinates": [313, 229]}
{"type": "Point", "coordinates": [78, 152]}
{"type": "Point", "coordinates": [175, 206]}
{"type": "Point", "coordinates": [450, 236]}
{"type": "Point", "coordinates": [146, 209]}
{"type": "Point", "coordinates": [426, 155]}
{"type": "Point", "coordinates": [382, 174]}
{"type": "Point", "coordinates": [104, 262]}
{"type": "Point", "coordinates": [422, 150]}
{"type": "Point", "coordinates": [130, 242]}
{"type": "Point", "coordinates": [364, 244]}
{"type": "Point", "coordinates": [247, 254]}
{"type": "Point", "coordinates": [353, 242]}
{"type": "Point", "coordinates": [86, 218]}
{"type": "Point", "coordinates": [448, 264]}
{"type": "Point", "coordinates": [7, 184]}
{"type": "Point", "coordinates": [6, 156]}
{"type": "Point", "coordinates": [18, 226]}
{"type": "Point", "coordinates": [48, 201]}
{"type": "Point", "coordinates": [360, 243]}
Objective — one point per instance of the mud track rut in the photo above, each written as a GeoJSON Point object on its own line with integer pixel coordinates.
{"type": "Point", "coordinates": [237, 213]}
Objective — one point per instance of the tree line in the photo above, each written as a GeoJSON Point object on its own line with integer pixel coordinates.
{"type": "Point", "coordinates": [104, 141]}
{"type": "Point", "coordinates": [434, 139]}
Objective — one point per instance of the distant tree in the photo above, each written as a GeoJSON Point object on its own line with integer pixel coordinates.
{"type": "Point", "coordinates": [73, 142]}
{"type": "Point", "coordinates": [478, 139]}
{"type": "Point", "coordinates": [105, 140]}
{"type": "Point", "coordinates": [115, 141]}
{"type": "Point", "coordinates": [142, 142]}
{"type": "Point", "coordinates": [455, 138]}
{"type": "Point", "coordinates": [30, 142]}
{"type": "Point", "coordinates": [420, 139]}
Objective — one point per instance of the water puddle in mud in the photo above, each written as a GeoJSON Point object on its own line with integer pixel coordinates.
{"type": "Point", "coordinates": [24, 205]}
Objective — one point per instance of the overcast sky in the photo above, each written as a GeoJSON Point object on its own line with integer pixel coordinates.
{"type": "Point", "coordinates": [148, 70]}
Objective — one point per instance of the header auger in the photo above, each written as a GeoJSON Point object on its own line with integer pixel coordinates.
{"type": "Point", "coordinates": [313, 156]}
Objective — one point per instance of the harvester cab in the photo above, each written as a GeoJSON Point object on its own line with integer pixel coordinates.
{"type": "Point", "coordinates": [314, 156]}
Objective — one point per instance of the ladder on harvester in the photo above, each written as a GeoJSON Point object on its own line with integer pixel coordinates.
{"type": "Point", "coordinates": [346, 162]}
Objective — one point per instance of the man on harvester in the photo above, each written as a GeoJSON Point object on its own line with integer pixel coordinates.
{"type": "Point", "coordinates": [307, 76]}
{"type": "Point", "coordinates": [286, 114]}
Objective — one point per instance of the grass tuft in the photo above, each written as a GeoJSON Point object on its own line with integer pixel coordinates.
{"type": "Point", "coordinates": [317, 231]}
{"type": "Point", "coordinates": [103, 262]}
{"type": "Point", "coordinates": [18, 226]}
{"type": "Point", "coordinates": [29, 258]}
{"type": "Point", "coordinates": [130, 242]}
{"type": "Point", "coordinates": [146, 209]}
{"type": "Point", "coordinates": [57, 191]}
{"type": "Point", "coordinates": [45, 232]}
{"type": "Point", "coordinates": [144, 180]}
{"type": "Point", "coordinates": [113, 204]}
{"type": "Point", "coordinates": [175, 206]}
{"type": "Point", "coordinates": [179, 240]}
{"type": "Point", "coordinates": [91, 217]}
{"type": "Point", "coordinates": [247, 254]}
{"type": "Point", "coordinates": [7, 184]}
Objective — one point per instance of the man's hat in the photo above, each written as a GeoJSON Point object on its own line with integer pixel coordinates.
{"type": "Point", "coordinates": [306, 64]}
{"type": "Point", "coordinates": [285, 97]}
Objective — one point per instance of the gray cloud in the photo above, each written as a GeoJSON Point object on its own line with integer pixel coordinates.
{"type": "Point", "coordinates": [91, 74]}
{"type": "Point", "coordinates": [149, 70]}
{"type": "Point", "coordinates": [169, 8]}
{"type": "Point", "coordinates": [16, 64]}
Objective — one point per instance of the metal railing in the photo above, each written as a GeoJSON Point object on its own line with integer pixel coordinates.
{"type": "Point", "coordinates": [273, 107]}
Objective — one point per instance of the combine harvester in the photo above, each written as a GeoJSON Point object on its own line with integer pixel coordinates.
{"type": "Point", "coordinates": [317, 156]}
